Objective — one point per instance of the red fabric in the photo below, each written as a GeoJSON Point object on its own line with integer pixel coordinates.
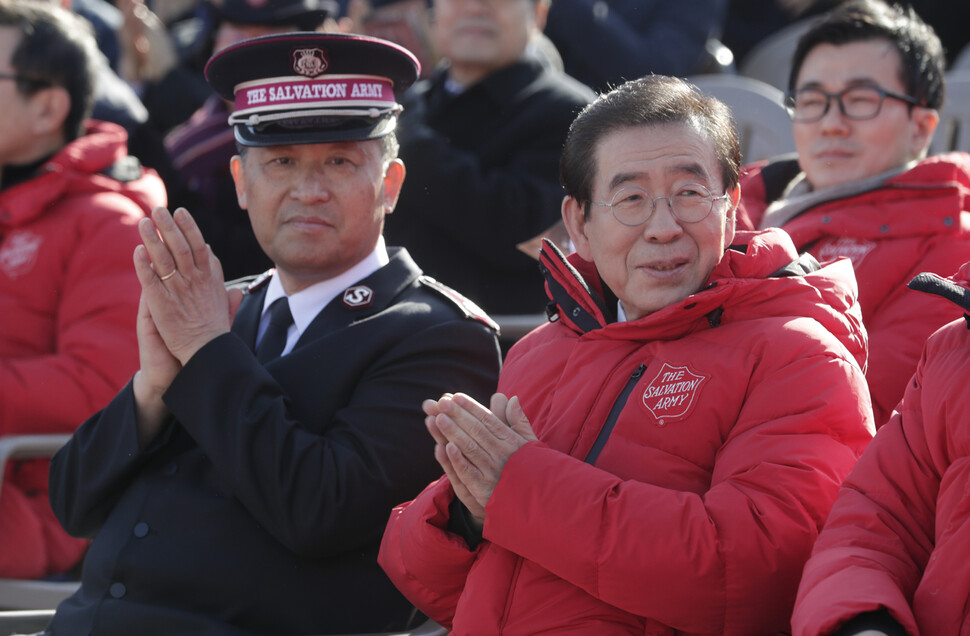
{"type": "Point", "coordinates": [898, 534]}
{"type": "Point", "coordinates": [703, 505]}
{"type": "Point", "coordinates": [916, 222]}
{"type": "Point", "coordinates": [68, 300]}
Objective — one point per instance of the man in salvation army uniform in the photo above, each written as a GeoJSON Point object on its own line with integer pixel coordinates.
{"type": "Point", "coordinates": [240, 482]}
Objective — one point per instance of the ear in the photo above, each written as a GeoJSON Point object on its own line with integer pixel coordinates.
{"type": "Point", "coordinates": [925, 121]}
{"type": "Point", "coordinates": [393, 180]}
{"type": "Point", "coordinates": [49, 107]}
{"type": "Point", "coordinates": [730, 217]}
{"type": "Point", "coordinates": [541, 14]}
{"type": "Point", "coordinates": [575, 221]}
{"type": "Point", "coordinates": [239, 178]}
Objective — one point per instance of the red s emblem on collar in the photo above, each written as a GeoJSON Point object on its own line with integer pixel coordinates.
{"type": "Point", "coordinates": [358, 297]}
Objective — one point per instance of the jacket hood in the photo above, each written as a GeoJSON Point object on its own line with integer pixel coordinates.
{"type": "Point", "coordinates": [96, 162]}
{"type": "Point", "coordinates": [760, 276]}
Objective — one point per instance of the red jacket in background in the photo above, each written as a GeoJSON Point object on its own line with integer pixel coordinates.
{"type": "Point", "coordinates": [917, 221]}
{"type": "Point", "coordinates": [899, 534]}
{"type": "Point", "coordinates": [68, 301]}
{"type": "Point", "coordinates": [729, 420]}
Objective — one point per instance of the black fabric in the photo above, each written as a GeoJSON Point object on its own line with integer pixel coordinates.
{"type": "Point", "coordinates": [804, 264]}
{"type": "Point", "coordinates": [483, 176]}
{"type": "Point", "coordinates": [777, 175]}
{"type": "Point", "coordinates": [935, 284]}
{"type": "Point", "coordinates": [460, 523]}
{"type": "Point", "coordinates": [881, 621]}
{"type": "Point", "coordinates": [274, 339]}
{"type": "Point", "coordinates": [11, 175]}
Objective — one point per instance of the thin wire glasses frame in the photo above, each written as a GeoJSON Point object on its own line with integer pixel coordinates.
{"type": "Point", "coordinates": [632, 205]}
{"type": "Point", "coordinates": [807, 105]}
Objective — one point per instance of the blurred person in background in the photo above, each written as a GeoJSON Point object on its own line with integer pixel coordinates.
{"type": "Point", "coordinates": [866, 87]}
{"type": "Point", "coordinates": [70, 201]}
{"type": "Point", "coordinates": [482, 139]}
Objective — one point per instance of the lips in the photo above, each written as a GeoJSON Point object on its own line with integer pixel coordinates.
{"type": "Point", "coordinates": [834, 153]}
{"type": "Point", "coordinates": [665, 267]}
{"type": "Point", "coordinates": [308, 222]}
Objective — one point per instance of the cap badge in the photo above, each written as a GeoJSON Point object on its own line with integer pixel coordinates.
{"type": "Point", "coordinates": [358, 296]}
{"type": "Point", "coordinates": [257, 4]}
{"type": "Point", "coordinates": [309, 62]}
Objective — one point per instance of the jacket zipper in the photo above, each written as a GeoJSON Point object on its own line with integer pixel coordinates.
{"type": "Point", "coordinates": [604, 434]}
{"type": "Point", "coordinates": [614, 415]}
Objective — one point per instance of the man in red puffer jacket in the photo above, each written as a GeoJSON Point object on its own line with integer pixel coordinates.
{"type": "Point", "coordinates": [892, 558]}
{"type": "Point", "coordinates": [675, 439]}
{"type": "Point", "coordinates": [70, 199]}
{"type": "Point", "coordinates": [866, 87]}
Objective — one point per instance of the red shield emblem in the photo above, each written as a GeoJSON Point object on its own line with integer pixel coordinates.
{"type": "Point", "coordinates": [672, 393]}
{"type": "Point", "coordinates": [853, 248]}
{"type": "Point", "coordinates": [19, 253]}
{"type": "Point", "coordinates": [358, 296]}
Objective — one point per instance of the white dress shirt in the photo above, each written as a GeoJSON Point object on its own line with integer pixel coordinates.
{"type": "Point", "coordinates": [307, 303]}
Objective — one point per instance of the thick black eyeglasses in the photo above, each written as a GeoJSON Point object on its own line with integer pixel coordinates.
{"type": "Point", "coordinates": [807, 105]}
{"type": "Point", "coordinates": [633, 206]}
{"type": "Point", "coordinates": [24, 78]}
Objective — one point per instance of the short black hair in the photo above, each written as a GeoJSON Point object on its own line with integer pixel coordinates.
{"type": "Point", "coordinates": [648, 101]}
{"type": "Point", "coordinates": [57, 48]}
{"type": "Point", "coordinates": [923, 62]}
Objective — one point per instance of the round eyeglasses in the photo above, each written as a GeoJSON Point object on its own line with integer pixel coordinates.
{"type": "Point", "coordinates": [633, 206]}
{"type": "Point", "coordinates": [808, 105]}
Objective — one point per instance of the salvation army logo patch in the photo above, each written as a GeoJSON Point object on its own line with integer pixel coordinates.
{"type": "Point", "coordinates": [853, 248]}
{"type": "Point", "coordinates": [672, 393]}
{"type": "Point", "coordinates": [358, 296]}
{"type": "Point", "coordinates": [19, 253]}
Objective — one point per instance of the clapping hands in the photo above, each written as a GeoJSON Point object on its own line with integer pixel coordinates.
{"type": "Point", "coordinates": [473, 443]}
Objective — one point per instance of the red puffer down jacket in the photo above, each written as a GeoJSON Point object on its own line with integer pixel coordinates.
{"type": "Point", "coordinates": [685, 465]}
{"type": "Point", "coordinates": [68, 301]}
{"type": "Point", "coordinates": [899, 535]}
{"type": "Point", "coordinates": [917, 221]}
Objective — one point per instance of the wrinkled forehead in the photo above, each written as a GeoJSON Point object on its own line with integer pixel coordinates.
{"type": "Point", "coordinates": [653, 155]}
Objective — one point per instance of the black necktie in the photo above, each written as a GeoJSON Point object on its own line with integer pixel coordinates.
{"type": "Point", "coordinates": [274, 339]}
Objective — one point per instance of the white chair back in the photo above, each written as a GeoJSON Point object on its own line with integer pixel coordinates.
{"type": "Point", "coordinates": [764, 127]}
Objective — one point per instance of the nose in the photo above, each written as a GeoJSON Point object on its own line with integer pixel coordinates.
{"type": "Point", "coordinates": [663, 226]}
{"type": "Point", "coordinates": [477, 6]}
{"type": "Point", "coordinates": [312, 186]}
{"type": "Point", "coordinates": [834, 121]}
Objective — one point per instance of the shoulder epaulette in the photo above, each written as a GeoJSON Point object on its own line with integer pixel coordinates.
{"type": "Point", "coordinates": [468, 308]}
{"type": "Point", "coordinates": [249, 284]}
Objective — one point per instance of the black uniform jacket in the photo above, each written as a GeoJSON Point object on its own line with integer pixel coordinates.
{"type": "Point", "coordinates": [260, 507]}
{"type": "Point", "coordinates": [483, 176]}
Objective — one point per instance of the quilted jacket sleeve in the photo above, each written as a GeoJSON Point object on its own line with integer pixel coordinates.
{"type": "Point", "coordinates": [427, 563]}
{"type": "Point", "coordinates": [883, 528]}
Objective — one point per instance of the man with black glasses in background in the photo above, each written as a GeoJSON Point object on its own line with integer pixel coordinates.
{"type": "Point", "coordinates": [866, 86]}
